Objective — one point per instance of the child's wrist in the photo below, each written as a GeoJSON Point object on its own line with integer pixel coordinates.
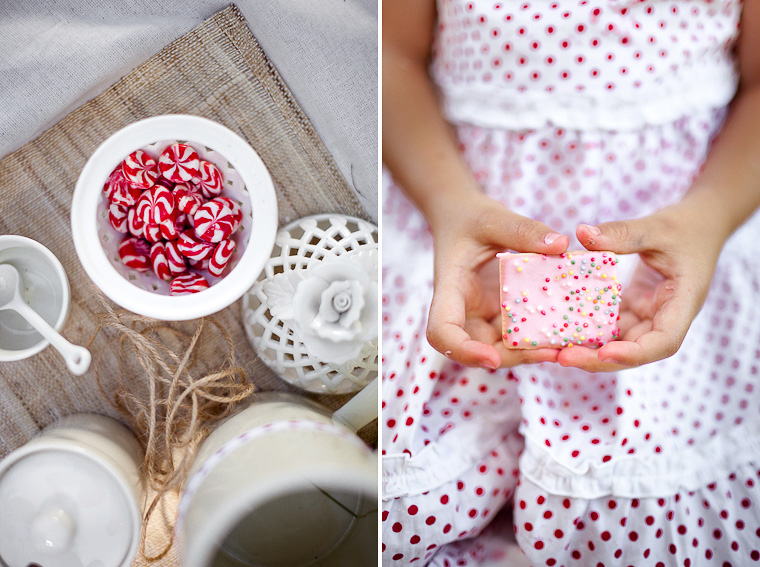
{"type": "Point", "coordinates": [708, 211]}
{"type": "Point", "coordinates": [447, 207]}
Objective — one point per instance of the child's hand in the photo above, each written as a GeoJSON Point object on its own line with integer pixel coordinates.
{"type": "Point", "coordinates": [678, 253]}
{"type": "Point", "coordinates": [465, 319]}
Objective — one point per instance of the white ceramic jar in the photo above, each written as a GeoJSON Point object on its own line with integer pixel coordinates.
{"type": "Point", "coordinates": [281, 484]}
{"type": "Point", "coordinates": [71, 497]}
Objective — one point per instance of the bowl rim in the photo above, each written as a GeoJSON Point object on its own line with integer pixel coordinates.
{"type": "Point", "coordinates": [16, 240]}
{"type": "Point", "coordinates": [193, 129]}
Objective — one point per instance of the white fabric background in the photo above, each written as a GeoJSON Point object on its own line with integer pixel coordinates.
{"type": "Point", "coordinates": [57, 54]}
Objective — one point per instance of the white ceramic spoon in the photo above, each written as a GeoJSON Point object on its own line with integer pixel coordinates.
{"type": "Point", "coordinates": [77, 357]}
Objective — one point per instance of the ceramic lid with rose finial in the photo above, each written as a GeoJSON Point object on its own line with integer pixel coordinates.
{"type": "Point", "coordinates": [312, 315]}
{"type": "Point", "coordinates": [62, 506]}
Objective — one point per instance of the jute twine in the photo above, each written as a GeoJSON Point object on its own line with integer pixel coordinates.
{"type": "Point", "coordinates": [170, 398]}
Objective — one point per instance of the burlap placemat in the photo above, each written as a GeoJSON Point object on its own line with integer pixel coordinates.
{"type": "Point", "coordinates": [218, 71]}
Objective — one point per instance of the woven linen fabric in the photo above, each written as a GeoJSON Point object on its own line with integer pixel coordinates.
{"type": "Point", "coordinates": [217, 71]}
{"type": "Point", "coordinates": [58, 54]}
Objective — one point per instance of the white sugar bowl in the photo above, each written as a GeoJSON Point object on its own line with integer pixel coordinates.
{"type": "Point", "coordinates": [71, 496]}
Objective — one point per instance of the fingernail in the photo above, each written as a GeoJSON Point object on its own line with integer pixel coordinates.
{"type": "Point", "coordinates": [551, 238]}
{"type": "Point", "coordinates": [491, 365]}
{"type": "Point", "coordinates": [593, 229]}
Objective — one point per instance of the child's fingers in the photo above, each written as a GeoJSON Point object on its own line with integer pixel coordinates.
{"type": "Point", "coordinates": [649, 347]}
{"type": "Point", "coordinates": [645, 342]}
{"type": "Point", "coordinates": [622, 237]}
{"type": "Point", "coordinates": [445, 330]}
{"type": "Point", "coordinates": [482, 331]}
{"type": "Point", "coordinates": [586, 359]}
{"type": "Point", "coordinates": [516, 232]}
{"type": "Point", "coordinates": [490, 333]}
{"type": "Point", "coordinates": [515, 357]}
{"type": "Point", "coordinates": [669, 327]}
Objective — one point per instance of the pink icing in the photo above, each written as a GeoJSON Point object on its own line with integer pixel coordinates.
{"type": "Point", "coordinates": [558, 301]}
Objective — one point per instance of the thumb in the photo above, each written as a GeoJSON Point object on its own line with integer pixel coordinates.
{"type": "Point", "coordinates": [523, 234]}
{"type": "Point", "coordinates": [622, 237]}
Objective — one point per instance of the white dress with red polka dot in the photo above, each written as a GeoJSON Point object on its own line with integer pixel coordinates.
{"type": "Point", "coordinates": [575, 111]}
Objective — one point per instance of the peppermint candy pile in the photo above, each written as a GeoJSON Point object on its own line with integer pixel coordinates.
{"type": "Point", "coordinates": [176, 220]}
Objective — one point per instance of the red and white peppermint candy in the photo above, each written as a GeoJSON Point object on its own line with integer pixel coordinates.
{"type": "Point", "coordinates": [169, 227]}
{"type": "Point", "coordinates": [179, 163]}
{"type": "Point", "coordinates": [177, 264]}
{"type": "Point", "coordinates": [155, 205]}
{"type": "Point", "coordinates": [194, 249]}
{"type": "Point", "coordinates": [234, 207]}
{"type": "Point", "coordinates": [210, 181]}
{"type": "Point", "coordinates": [117, 215]}
{"type": "Point", "coordinates": [159, 262]}
{"type": "Point", "coordinates": [118, 189]}
{"type": "Point", "coordinates": [181, 222]}
{"type": "Point", "coordinates": [135, 253]}
{"type": "Point", "coordinates": [187, 199]}
{"type": "Point", "coordinates": [214, 221]}
{"type": "Point", "coordinates": [152, 232]}
{"type": "Point", "coordinates": [201, 265]}
{"type": "Point", "coordinates": [135, 226]}
{"type": "Point", "coordinates": [164, 182]}
{"type": "Point", "coordinates": [221, 257]}
{"type": "Point", "coordinates": [189, 283]}
{"type": "Point", "coordinates": [140, 169]}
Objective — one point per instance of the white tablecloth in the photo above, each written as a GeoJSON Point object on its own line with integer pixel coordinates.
{"type": "Point", "coordinates": [57, 54]}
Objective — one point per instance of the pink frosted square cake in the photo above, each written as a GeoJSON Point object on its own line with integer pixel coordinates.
{"type": "Point", "coordinates": [557, 301]}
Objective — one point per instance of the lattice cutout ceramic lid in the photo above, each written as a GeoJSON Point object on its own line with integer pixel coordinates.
{"type": "Point", "coordinates": [312, 315]}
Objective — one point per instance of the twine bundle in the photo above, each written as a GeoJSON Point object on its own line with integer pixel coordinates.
{"type": "Point", "coordinates": [170, 389]}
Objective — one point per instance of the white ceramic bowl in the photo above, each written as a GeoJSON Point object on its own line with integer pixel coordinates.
{"type": "Point", "coordinates": [246, 181]}
{"type": "Point", "coordinates": [44, 287]}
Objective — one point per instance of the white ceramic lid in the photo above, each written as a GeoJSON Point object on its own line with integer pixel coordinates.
{"type": "Point", "coordinates": [63, 508]}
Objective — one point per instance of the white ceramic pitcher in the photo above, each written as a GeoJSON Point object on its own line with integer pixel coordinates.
{"type": "Point", "coordinates": [283, 484]}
